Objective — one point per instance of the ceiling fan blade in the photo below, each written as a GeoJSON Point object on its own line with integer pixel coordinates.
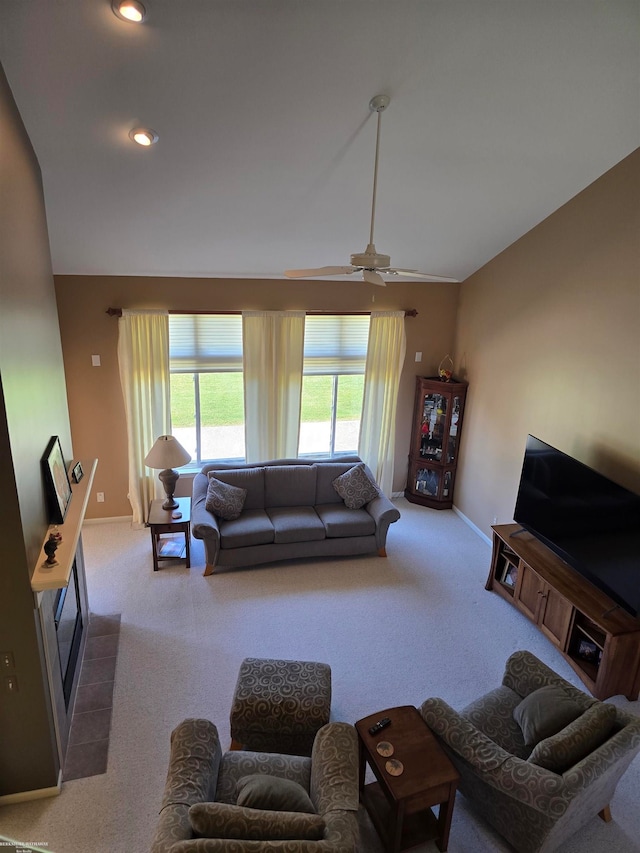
{"type": "Point", "coordinates": [373, 278]}
{"type": "Point", "coordinates": [425, 276]}
{"type": "Point", "coordinates": [320, 271]}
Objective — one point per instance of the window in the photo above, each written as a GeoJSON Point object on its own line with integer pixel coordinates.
{"type": "Point", "coordinates": [207, 397]}
{"type": "Point", "coordinates": [207, 394]}
{"type": "Point", "coordinates": [335, 352]}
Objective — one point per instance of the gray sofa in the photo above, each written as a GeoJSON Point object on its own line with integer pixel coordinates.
{"type": "Point", "coordinates": [291, 510]}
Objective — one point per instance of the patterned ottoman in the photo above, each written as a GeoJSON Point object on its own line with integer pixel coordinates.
{"type": "Point", "coordinates": [279, 705]}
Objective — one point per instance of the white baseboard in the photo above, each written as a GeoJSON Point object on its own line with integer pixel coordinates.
{"type": "Point", "coordinates": [37, 794]}
{"type": "Point", "coordinates": [115, 518]}
{"type": "Point", "coordinates": [471, 525]}
{"type": "Point", "coordinates": [397, 495]}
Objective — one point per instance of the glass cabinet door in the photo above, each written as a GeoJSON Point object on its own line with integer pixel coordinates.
{"type": "Point", "coordinates": [434, 413]}
{"type": "Point", "coordinates": [427, 482]}
{"type": "Point", "coordinates": [452, 444]}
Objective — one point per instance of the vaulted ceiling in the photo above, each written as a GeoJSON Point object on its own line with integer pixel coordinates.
{"type": "Point", "coordinates": [500, 113]}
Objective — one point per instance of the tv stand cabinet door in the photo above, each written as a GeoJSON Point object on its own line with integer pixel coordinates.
{"type": "Point", "coordinates": [551, 612]}
{"type": "Point", "coordinates": [529, 592]}
{"type": "Point", "coordinates": [555, 617]}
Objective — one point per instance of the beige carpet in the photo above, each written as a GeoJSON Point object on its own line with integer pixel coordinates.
{"type": "Point", "coordinates": [394, 631]}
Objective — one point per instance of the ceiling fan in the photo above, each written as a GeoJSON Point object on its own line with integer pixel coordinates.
{"type": "Point", "coordinates": [370, 263]}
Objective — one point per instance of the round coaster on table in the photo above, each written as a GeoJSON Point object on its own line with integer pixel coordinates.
{"type": "Point", "coordinates": [385, 749]}
{"type": "Point", "coordinates": [394, 767]}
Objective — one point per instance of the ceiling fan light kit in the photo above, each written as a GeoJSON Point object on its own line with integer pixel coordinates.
{"type": "Point", "coordinates": [372, 264]}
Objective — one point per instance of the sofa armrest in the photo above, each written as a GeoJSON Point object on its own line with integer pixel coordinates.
{"type": "Point", "coordinates": [384, 513]}
{"type": "Point", "coordinates": [192, 776]}
{"type": "Point", "coordinates": [204, 524]}
{"type": "Point", "coordinates": [616, 752]}
{"type": "Point", "coordinates": [334, 769]}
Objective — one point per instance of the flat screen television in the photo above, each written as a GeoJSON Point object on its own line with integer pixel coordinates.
{"type": "Point", "coordinates": [592, 523]}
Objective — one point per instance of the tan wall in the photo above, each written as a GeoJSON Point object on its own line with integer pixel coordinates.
{"type": "Point", "coordinates": [33, 407]}
{"type": "Point", "coordinates": [94, 394]}
{"type": "Point", "coordinates": [548, 332]}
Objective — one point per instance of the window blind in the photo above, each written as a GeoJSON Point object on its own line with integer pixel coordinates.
{"type": "Point", "coordinates": [205, 342]}
{"type": "Point", "coordinates": [335, 344]}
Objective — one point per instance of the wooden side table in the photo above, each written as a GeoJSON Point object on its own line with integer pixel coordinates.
{"type": "Point", "coordinates": [400, 805]}
{"type": "Point", "coordinates": [161, 521]}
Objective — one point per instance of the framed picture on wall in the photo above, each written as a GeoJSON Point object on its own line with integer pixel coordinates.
{"type": "Point", "coordinates": [56, 481]}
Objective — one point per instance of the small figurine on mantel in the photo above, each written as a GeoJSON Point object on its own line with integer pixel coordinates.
{"type": "Point", "coordinates": [50, 548]}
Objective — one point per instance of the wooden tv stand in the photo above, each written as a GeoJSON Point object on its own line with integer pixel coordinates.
{"type": "Point", "coordinates": [597, 637]}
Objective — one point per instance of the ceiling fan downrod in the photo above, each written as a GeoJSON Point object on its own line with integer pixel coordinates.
{"type": "Point", "coordinates": [370, 259]}
{"type": "Point", "coordinates": [377, 104]}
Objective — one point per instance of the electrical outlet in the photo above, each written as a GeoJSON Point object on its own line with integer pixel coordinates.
{"type": "Point", "coordinates": [100, 497]}
{"type": "Point", "coordinates": [495, 519]}
{"type": "Point", "coordinates": [418, 356]}
{"type": "Point", "coordinates": [6, 660]}
{"type": "Point", "coordinates": [11, 684]}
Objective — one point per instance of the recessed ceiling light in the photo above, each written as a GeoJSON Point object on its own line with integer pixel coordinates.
{"type": "Point", "coordinates": [143, 136]}
{"type": "Point", "coordinates": [129, 10]}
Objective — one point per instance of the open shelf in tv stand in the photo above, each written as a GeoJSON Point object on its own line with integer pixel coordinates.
{"type": "Point", "coordinates": [568, 610]}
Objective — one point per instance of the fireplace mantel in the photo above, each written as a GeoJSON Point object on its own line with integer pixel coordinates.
{"type": "Point", "coordinates": [58, 576]}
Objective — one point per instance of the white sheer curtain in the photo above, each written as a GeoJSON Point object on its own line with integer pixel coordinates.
{"type": "Point", "coordinates": [385, 357]}
{"type": "Point", "coordinates": [143, 359]}
{"type": "Point", "coordinates": [272, 354]}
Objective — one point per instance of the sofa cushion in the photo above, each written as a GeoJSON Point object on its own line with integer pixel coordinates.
{"type": "Point", "coordinates": [340, 521]}
{"type": "Point", "coordinates": [295, 524]}
{"type": "Point", "coordinates": [251, 479]}
{"type": "Point", "coordinates": [224, 500]}
{"type": "Point", "coordinates": [290, 485]}
{"type": "Point", "coordinates": [355, 487]}
{"type": "Point", "coordinates": [260, 791]}
{"type": "Point", "coordinates": [327, 473]}
{"type": "Point", "coordinates": [254, 527]}
{"type": "Point", "coordinates": [544, 712]}
{"type": "Point", "coordinates": [221, 820]}
{"type": "Point", "coordinates": [575, 741]}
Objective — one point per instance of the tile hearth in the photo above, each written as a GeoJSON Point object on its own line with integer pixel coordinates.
{"type": "Point", "coordinates": [88, 748]}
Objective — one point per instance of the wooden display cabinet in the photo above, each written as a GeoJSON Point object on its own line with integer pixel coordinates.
{"type": "Point", "coordinates": [597, 637]}
{"type": "Point", "coordinates": [435, 441]}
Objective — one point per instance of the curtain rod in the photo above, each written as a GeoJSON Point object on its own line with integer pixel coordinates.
{"type": "Point", "coordinates": [411, 312]}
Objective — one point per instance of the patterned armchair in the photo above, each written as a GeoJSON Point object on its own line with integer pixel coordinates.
{"type": "Point", "coordinates": [533, 807]}
{"type": "Point", "coordinates": [199, 772]}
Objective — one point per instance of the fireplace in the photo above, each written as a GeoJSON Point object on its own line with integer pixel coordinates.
{"type": "Point", "coordinates": [67, 617]}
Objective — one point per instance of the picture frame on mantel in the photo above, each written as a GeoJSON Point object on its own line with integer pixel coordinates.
{"type": "Point", "coordinates": [56, 481]}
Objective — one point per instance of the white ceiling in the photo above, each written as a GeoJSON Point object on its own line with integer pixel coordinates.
{"type": "Point", "coordinates": [500, 112]}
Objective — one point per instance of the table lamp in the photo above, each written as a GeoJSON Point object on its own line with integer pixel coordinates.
{"type": "Point", "coordinates": [167, 453]}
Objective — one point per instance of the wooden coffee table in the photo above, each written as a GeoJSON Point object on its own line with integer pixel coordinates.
{"type": "Point", "coordinates": [161, 521]}
{"type": "Point", "coordinates": [400, 805]}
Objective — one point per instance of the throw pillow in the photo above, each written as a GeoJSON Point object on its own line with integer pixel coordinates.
{"type": "Point", "coordinates": [221, 820]}
{"type": "Point", "coordinates": [573, 743]}
{"type": "Point", "coordinates": [355, 487]}
{"type": "Point", "coordinates": [544, 712]}
{"type": "Point", "coordinates": [224, 500]}
{"type": "Point", "coordinates": [260, 791]}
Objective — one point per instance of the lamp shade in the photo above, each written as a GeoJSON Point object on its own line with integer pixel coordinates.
{"type": "Point", "coordinates": [167, 452]}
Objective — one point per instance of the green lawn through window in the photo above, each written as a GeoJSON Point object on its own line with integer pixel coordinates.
{"type": "Point", "coordinates": [222, 399]}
